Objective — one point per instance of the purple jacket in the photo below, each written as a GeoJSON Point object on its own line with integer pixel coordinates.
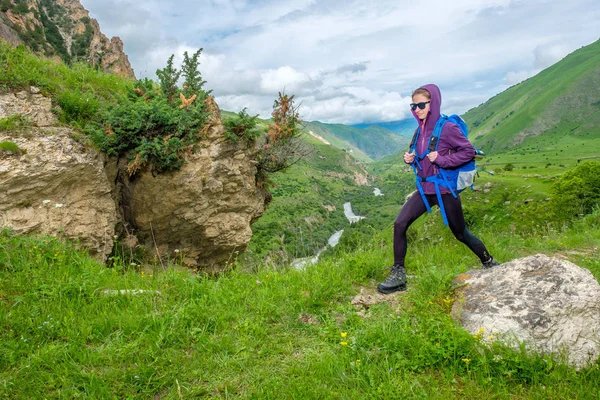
{"type": "Point", "coordinates": [454, 149]}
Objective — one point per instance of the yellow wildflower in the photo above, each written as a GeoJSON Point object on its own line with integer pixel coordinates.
{"type": "Point", "coordinates": [344, 334]}
{"type": "Point", "coordinates": [479, 334]}
{"type": "Point", "coordinates": [466, 360]}
{"type": "Point", "coordinates": [344, 343]}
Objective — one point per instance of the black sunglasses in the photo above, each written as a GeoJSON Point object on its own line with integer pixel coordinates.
{"type": "Point", "coordinates": [420, 105]}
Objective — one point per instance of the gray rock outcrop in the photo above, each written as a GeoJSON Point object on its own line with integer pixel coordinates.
{"type": "Point", "coordinates": [204, 210]}
{"type": "Point", "coordinates": [550, 304]}
{"type": "Point", "coordinates": [31, 104]}
{"type": "Point", "coordinates": [53, 185]}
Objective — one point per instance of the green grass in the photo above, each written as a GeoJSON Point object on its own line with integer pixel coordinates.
{"type": "Point", "coordinates": [10, 147]}
{"type": "Point", "coordinates": [70, 86]}
{"type": "Point", "coordinates": [13, 123]}
{"type": "Point", "coordinates": [273, 333]}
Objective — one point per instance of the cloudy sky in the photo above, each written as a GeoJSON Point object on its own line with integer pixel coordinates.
{"type": "Point", "coordinates": [351, 61]}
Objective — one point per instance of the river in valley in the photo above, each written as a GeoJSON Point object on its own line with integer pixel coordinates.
{"type": "Point", "coordinates": [301, 263]}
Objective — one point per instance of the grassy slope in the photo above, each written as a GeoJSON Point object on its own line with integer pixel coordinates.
{"type": "Point", "coordinates": [321, 130]}
{"type": "Point", "coordinates": [404, 127]}
{"type": "Point", "coordinates": [558, 109]}
{"type": "Point", "coordinates": [20, 69]}
{"type": "Point", "coordinates": [374, 141]}
{"type": "Point", "coordinates": [281, 334]}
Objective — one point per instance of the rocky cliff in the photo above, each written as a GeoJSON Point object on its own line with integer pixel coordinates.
{"type": "Point", "coordinates": [200, 214]}
{"type": "Point", "coordinates": [51, 183]}
{"type": "Point", "coordinates": [63, 29]}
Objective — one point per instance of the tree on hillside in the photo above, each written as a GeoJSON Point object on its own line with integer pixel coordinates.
{"type": "Point", "coordinates": [168, 77]}
{"type": "Point", "coordinates": [282, 147]}
{"type": "Point", "coordinates": [193, 79]}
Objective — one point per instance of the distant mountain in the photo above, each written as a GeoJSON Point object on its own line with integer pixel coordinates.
{"type": "Point", "coordinates": [405, 127]}
{"type": "Point", "coordinates": [373, 142]}
{"type": "Point", "coordinates": [557, 107]}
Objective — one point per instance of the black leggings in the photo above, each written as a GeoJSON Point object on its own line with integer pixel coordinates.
{"type": "Point", "coordinates": [414, 208]}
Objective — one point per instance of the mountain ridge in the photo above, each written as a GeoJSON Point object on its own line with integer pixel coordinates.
{"type": "Point", "coordinates": [62, 29]}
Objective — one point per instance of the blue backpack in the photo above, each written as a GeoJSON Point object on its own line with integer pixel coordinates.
{"type": "Point", "coordinates": [454, 179]}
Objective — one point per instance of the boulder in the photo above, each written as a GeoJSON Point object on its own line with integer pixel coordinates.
{"type": "Point", "coordinates": [56, 186]}
{"type": "Point", "coordinates": [551, 305]}
{"type": "Point", "coordinates": [201, 213]}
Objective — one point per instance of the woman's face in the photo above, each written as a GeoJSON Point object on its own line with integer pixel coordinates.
{"type": "Point", "coordinates": [421, 98]}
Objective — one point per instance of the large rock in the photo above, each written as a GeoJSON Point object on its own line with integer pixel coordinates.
{"type": "Point", "coordinates": [552, 305]}
{"type": "Point", "coordinates": [203, 212]}
{"type": "Point", "coordinates": [56, 186]}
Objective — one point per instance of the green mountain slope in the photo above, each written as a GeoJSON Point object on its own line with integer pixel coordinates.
{"type": "Point", "coordinates": [558, 109]}
{"type": "Point", "coordinates": [373, 141]}
{"type": "Point", "coordinates": [405, 127]}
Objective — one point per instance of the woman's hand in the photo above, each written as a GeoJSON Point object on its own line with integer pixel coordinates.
{"type": "Point", "coordinates": [432, 156]}
{"type": "Point", "coordinates": [409, 158]}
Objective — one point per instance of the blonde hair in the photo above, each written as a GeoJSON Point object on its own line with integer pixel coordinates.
{"type": "Point", "coordinates": [422, 91]}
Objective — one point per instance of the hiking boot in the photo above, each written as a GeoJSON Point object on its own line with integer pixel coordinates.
{"type": "Point", "coordinates": [490, 263]}
{"type": "Point", "coordinates": [395, 282]}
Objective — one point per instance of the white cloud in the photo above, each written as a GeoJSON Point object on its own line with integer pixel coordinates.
{"type": "Point", "coordinates": [355, 61]}
{"type": "Point", "coordinates": [514, 77]}
{"type": "Point", "coordinates": [546, 55]}
{"type": "Point", "coordinates": [285, 77]}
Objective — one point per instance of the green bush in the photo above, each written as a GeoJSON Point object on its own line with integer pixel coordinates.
{"type": "Point", "coordinates": [5, 5]}
{"type": "Point", "coordinates": [148, 130]}
{"type": "Point", "coordinates": [509, 167]}
{"type": "Point", "coordinates": [242, 126]}
{"type": "Point", "coordinates": [577, 191]}
{"type": "Point", "coordinates": [21, 7]}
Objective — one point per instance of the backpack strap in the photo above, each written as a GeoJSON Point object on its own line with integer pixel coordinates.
{"type": "Point", "coordinates": [414, 139]}
{"type": "Point", "coordinates": [413, 149]}
{"type": "Point", "coordinates": [437, 131]}
{"type": "Point", "coordinates": [438, 179]}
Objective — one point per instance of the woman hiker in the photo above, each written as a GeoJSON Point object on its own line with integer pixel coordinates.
{"type": "Point", "coordinates": [453, 150]}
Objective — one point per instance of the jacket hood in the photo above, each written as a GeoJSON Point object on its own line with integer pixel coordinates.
{"type": "Point", "coordinates": [434, 107]}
